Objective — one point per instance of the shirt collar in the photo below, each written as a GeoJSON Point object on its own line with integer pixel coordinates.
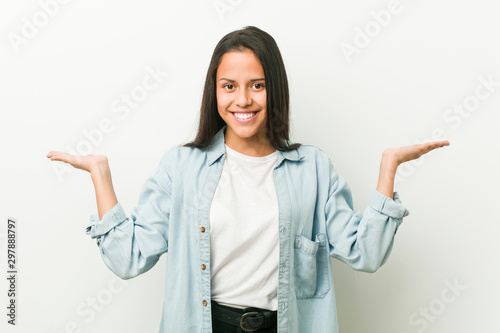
{"type": "Point", "coordinates": [217, 149]}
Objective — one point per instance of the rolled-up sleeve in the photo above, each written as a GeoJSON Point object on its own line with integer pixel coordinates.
{"type": "Point", "coordinates": [364, 242]}
{"type": "Point", "coordinates": [131, 245]}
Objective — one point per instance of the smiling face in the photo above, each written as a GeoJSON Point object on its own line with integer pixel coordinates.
{"type": "Point", "coordinates": [241, 102]}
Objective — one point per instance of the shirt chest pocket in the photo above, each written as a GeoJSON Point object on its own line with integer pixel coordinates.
{"type": "Point", "coordinates": [311, 267]}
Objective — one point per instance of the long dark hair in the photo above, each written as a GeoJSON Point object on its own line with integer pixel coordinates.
{"type": "Point", "coordinates": [277, 96]}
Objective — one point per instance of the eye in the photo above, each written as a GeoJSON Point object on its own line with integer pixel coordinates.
{"type": "Point", "coordinates": [259, 85]}
{"type": "Point", "coordinates": [228, 86]}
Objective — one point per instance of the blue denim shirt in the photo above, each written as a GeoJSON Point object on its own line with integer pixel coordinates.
{"type": "Point", "coordinates": [316, 222]}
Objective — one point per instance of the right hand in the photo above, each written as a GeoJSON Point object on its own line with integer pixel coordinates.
{"type": "Point", "coordinates": [87, 163]}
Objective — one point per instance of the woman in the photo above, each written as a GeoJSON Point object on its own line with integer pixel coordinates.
{"type": "Point", "coordinates": [249, 219]}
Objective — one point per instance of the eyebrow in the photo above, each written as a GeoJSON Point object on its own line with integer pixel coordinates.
{"type": "Point", "coordinates": [263, 79]}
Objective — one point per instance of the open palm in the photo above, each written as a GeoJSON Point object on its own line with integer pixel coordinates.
{"type": "Point", "coordinates": [86, 163]}
{"type": "Point", "coordinates": [412, 152]}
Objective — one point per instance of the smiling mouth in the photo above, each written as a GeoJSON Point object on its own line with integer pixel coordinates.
{"type": "Point", "coordinates": [245, 115]}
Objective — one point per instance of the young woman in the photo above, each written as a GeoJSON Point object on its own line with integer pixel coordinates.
{"type": "Point", "coordinates": [249, 219]}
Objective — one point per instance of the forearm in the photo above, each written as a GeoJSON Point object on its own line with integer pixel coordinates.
{"type": "Point", "coordinates": [387, 174]}
{"type": "Point", "coordinates": [104, 191]}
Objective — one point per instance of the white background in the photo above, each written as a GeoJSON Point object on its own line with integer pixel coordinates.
{"type": "Point", "coordinates": [396, 90]}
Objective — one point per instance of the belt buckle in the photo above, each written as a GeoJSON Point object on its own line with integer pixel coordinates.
{"type": "Point", "coordinates": [243, 318]}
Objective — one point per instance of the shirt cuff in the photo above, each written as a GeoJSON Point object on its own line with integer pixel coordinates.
{"type": "Point", "coordinates": [388, 206]}
{"type": "Point", "coordinates": [111, 219]}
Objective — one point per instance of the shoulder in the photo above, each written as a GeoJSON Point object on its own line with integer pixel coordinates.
{"type": "Point", "coordinates": [313, 153]}
{"type": "Point", "coordinates": [178, 153]}
{"type": "Point", "coordinates": [181, 157]}
{"type": "Point", "coordinates": [315, 158]}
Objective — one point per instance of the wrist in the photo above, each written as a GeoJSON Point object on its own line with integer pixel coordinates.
{"type": "Point", "coordinates": [388, 163]}
{"type": "Point", "coordinates": [100, 170]}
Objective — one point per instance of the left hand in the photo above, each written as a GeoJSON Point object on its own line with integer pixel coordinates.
{"type": "Point", "coordinates": [407, 153]}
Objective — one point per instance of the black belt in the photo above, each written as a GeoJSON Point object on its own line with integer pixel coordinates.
{"type": "Point", "coordinates": [249, 319]}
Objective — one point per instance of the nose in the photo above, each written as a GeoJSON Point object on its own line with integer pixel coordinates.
{"type": "Point", "coordinates": [243, 98]}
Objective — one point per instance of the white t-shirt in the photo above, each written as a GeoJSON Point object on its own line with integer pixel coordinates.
{"type": "Point", "coordinates": [244, 252]}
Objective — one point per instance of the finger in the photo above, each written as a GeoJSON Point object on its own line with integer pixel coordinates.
{"type": "Point", "coordinates": [434, 145]}
{"type": "Point", "coordinates": [61, 156]}
{"type": "Point", "coordinates": [51, 153]}
{"type": "Point", "coordinates": [55, 153]}
{"type": "Point", "coordinates": [442, 143]}
{"type": "Point", "coordinates": [430, 148]}
{"type": "Point", "coordinates": [57, 157]}
{"type": "Point", "coordinates": [438, 144]}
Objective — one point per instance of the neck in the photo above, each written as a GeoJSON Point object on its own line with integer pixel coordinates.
{"type": "Point", "coordinates": [256, 148]}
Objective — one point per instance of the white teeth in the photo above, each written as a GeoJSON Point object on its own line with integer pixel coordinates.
{"type": "Point", "coordinates": [244, 115]}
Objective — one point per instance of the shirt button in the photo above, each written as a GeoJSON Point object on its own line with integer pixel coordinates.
{"type": "Point", "coordinates": [202, 229]}
{"type": "Point", "coordinates": [205, 303]}
{"type": "Point", "coordinates": [203, 266]}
